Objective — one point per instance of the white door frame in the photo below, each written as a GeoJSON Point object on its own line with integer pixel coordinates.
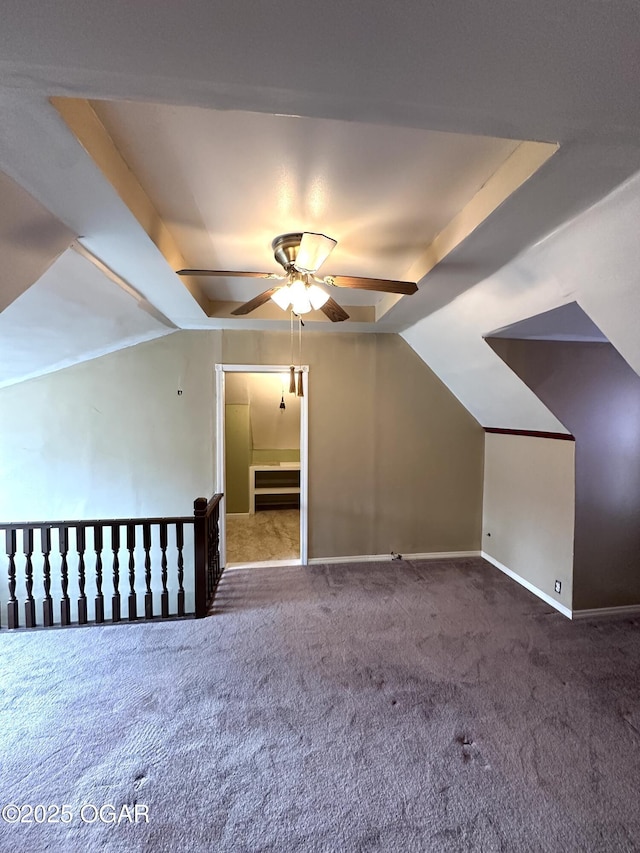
{"type": "Point", "coordinates": [220, 370]}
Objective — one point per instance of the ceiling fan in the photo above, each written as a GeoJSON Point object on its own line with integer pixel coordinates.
{"type": "Point", "coordinates": [301, 255]}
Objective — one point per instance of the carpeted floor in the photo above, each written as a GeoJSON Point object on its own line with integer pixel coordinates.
{"type": "Point", "coordinates": [271, 534]}
{"type": "Point", "coordinates": [375, 707]}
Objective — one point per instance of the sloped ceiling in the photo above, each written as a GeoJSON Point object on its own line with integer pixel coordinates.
{"type": "Point", "coordinates": [566, 323]}
{"type": "Point", "coordinates": [30, 240]}
{"type": "Point", "coordinates": [77, 312]}
{"type": "Point", "coordinates": [550, 71]}
{"type": "Point", "coordinates": [272, 428]}
{"type": "Point", "coordinates": [594, 261]}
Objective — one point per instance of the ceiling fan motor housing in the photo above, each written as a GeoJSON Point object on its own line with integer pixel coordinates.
{"type": "Point", "coordinates": [285, 249]}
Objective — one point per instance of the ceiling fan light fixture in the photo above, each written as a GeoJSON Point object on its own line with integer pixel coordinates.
{"type": "Point", "coordinates": [301, 305]}
{"type": "Point", "coordinates": [313, 251]}
{"type": "Point", "coordinates": [317, 296]}
{"type": "Point", "coordinates": [299, 295]}
{"type": "Point", "coordinates": [282, 297]}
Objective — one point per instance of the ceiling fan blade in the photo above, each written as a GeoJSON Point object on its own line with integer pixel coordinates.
{"type": "Point", "coordinates": [231, 274]}
{"type": "Point", "coordinates": [382, 284]}
{"type": "Point", "coordinates": [314, 251]}
{"type": "Point", "coordinates": [252, 304]}
{"type": "Point", "coordinates": [333, 311]}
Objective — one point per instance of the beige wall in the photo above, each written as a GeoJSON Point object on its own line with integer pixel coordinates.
{"type": "Point", "coordinates": [529, 505]}
{"type": "Point", "coordinates": [395, 460]}
{"type": "Point", "coordinates": [274, 457]}
{"type": "Point", "coordinates": [237, 448]}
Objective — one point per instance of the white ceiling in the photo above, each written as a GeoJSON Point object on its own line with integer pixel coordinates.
{"type": "Point", "coordinates": [556, 70]}
{"type": "Point", "coordinates": [226, 183]}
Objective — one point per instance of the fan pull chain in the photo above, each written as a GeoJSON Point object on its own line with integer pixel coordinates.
{"type": "Point", "coordinates": [292, 370]}
{"type": "Point", "coordinates": [300, 392]}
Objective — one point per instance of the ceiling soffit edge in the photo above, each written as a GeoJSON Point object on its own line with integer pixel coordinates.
{"type": "Point", "coordinates": [521, 165]}
{"type": "Point", "coordinates": [94, 138]}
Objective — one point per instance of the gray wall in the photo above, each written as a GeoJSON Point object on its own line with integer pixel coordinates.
{"type": "Point", "coordinates": [395, 461]}
{"type": "Point", "coordinates": [596, 395]}
{"type": "Point", "coordinates": [112, 437]}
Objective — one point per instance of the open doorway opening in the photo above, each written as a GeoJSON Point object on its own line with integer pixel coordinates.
{"type": "Point", "coordinates": [262, 466]}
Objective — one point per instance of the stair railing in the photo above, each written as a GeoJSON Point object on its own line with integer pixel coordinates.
{"type": "Point", "coordinates": [111, 570]}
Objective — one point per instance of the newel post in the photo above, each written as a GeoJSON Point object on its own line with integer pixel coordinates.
{"type": "Point", "coordinates": [201, 557]}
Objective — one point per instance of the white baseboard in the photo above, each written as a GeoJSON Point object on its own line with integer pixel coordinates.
{"type": "Point", "coordinates": [623, 610]}
{"type": "Point", "coordinates": [238, 514]}
{"type": "Point", "coordinates": [263, 564]}
{"type": "Point", "coordinates": [386, 558]}
{"type": "Point", "coordinates": [534, 589]}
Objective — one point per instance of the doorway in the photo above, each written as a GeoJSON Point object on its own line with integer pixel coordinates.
{"type": "Point", "coordinates": [264, 481]}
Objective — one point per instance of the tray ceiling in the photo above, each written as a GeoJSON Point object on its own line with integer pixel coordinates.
{"type": "Point", "coordinates": [224, 183]}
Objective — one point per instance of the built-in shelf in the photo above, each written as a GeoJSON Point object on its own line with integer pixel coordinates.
{"type": "Point", "coordinates": [272, 480]}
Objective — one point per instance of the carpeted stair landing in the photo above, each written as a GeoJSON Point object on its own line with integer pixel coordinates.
{"type": "Point", "coordinates": [424, 706]}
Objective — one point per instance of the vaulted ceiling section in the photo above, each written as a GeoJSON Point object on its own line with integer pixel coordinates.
{"type": "Point", "coordinates": [485, 152]}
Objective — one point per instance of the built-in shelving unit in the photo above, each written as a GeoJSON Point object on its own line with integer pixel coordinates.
{"type": "Point", "coordinates": [267, 482]}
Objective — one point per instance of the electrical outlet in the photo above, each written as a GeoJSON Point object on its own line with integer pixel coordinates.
{"type": "Point", "coordinates": [558, 586]}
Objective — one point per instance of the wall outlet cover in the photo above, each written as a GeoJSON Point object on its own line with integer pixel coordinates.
{"type": "Point", "coordinates": [558, 586]}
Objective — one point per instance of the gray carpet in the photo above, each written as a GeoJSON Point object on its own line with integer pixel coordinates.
{"type": "Point", "coordinates": [376, 707]}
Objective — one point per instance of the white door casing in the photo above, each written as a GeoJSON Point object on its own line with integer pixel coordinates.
{"type": "Point", "coordinates": [220, 371]}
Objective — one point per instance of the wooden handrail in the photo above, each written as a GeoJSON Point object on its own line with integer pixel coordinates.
{"type": "Point", "coordinates": [207, 570]}
{"type": "Point", "coordinates": [213, 503]}
{"type": "Point", "coordinates": [94, 522]}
